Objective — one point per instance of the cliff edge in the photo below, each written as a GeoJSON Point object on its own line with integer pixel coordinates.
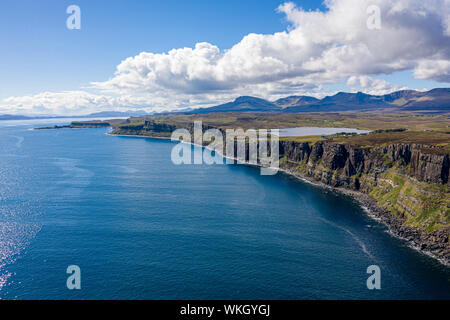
{"type": "Point", "coordinates": [406, 185]}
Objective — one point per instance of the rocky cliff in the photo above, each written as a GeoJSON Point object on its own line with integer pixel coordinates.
{"type": "Point", "coordinates": [407, 185]}
{"type": "Point", "coordinates": [424, 163]}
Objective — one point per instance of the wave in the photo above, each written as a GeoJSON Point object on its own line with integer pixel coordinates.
{"type": "Point", "coordinates": [355, 237]}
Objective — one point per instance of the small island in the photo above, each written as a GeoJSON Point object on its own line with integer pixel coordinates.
{"type": "Point", "coordinates": [84, 125]}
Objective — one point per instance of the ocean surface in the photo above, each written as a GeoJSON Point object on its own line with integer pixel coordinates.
{"type": "Point", "coordinates": [140, 227]}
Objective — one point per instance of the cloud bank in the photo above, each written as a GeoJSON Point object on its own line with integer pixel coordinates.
{"type": "Point", "coordinates": [318, 48]}
{"type": "Point", "coordinates": [69, 103]}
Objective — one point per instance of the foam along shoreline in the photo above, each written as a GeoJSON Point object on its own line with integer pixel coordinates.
{"type": "Point", "coordinates": [367, 204]}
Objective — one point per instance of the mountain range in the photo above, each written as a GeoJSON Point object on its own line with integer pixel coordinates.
{"type": "Point", "coordinates": [433, 101]}
{"type": "Point", "coordinates": [436, 100]}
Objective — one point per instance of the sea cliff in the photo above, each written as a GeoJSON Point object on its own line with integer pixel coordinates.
{"type": "Point", "coordinates": [405, 185]}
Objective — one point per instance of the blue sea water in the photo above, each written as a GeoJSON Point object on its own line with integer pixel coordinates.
{"type": "Point", "coordinates": [140, 227]}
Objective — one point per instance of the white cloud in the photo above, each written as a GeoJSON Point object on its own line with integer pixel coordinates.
{"type": "Point", "coordinates": [433, 69]}
{"type": "Point", "coordinates": [373, 86]}
{"type": "Point", "coordinates": [318, 48]}
{"type": "Point", "coordinates": [67, 103]}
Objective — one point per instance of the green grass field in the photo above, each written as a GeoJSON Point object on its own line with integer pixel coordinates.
{"type": "Point", "coordinates": [420, 129]}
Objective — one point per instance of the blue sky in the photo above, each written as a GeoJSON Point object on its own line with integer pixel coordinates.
{"type": "Point", "coordinates": [39, 54]}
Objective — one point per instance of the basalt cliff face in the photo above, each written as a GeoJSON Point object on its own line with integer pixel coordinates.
{"type": "Point", "coordinates": [406, 185]}
{"type": "Point", "coordinates": [345, 162]}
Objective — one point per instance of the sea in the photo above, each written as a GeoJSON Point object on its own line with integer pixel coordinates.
{"type": "Point", "coordinates": [139, 226]}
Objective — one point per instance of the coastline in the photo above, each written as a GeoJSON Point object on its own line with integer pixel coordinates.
{"type": "Point", "coordinates": [375, 212]}
{"type": "Point", "coordinates": [367, 204]}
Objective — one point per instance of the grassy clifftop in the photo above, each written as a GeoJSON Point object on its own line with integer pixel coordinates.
{"type": "Point", "coordinates": [368, 121]}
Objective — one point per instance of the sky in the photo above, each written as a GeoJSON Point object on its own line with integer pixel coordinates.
{"type": "Point", "coordinates": [172, 54]}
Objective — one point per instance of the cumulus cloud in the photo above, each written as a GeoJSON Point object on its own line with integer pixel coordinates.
{"type": "Point", "coordinates": [79, 102]}
{"type": "Point", "coordinates": [373, 86]}
{"type": "Point", "coordinates": [438, 70]}
{"type": "Point", "coordinates": [318, 48]}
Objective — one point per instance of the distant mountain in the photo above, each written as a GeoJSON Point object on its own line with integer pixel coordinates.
{"type": "Point", "coordinates": [243, 104]}
{"type": "Point", "coordinates": [129, 113]}
{"type": "Point", "coordinates": [13, 117]}
{"type": "Point", "coordinates": [436, 100]}
{"type": "Point", "coordinates": [296, 101]}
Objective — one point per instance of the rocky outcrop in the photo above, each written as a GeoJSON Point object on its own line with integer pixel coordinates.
{"type": "Point", "coordinates": [80, 125]}
{"type": "Point", "coordinates": [158, 127]}
{"type": "Point", "coordinates": [296, 151]}
{"type": "Point", "coordinates": [432, 168]}
{"type": "Point", "coordinates": [419, 161]}
{"type": "Point", "coordinates": [405, 185]}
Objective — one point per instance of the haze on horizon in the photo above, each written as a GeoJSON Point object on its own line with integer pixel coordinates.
{"type": "Point", "coordinates": [167, 56]}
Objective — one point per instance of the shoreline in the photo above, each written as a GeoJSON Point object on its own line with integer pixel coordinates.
{"type": "Point", "coordinates": [372, 210]}
{"type": "Point", "coordinates": [367, 204]}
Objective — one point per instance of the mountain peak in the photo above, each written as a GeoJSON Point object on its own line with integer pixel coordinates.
{"type": "Point", "coordinates": [404, 100]}
{"type": "Point", "coordinates": [244, 99]}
